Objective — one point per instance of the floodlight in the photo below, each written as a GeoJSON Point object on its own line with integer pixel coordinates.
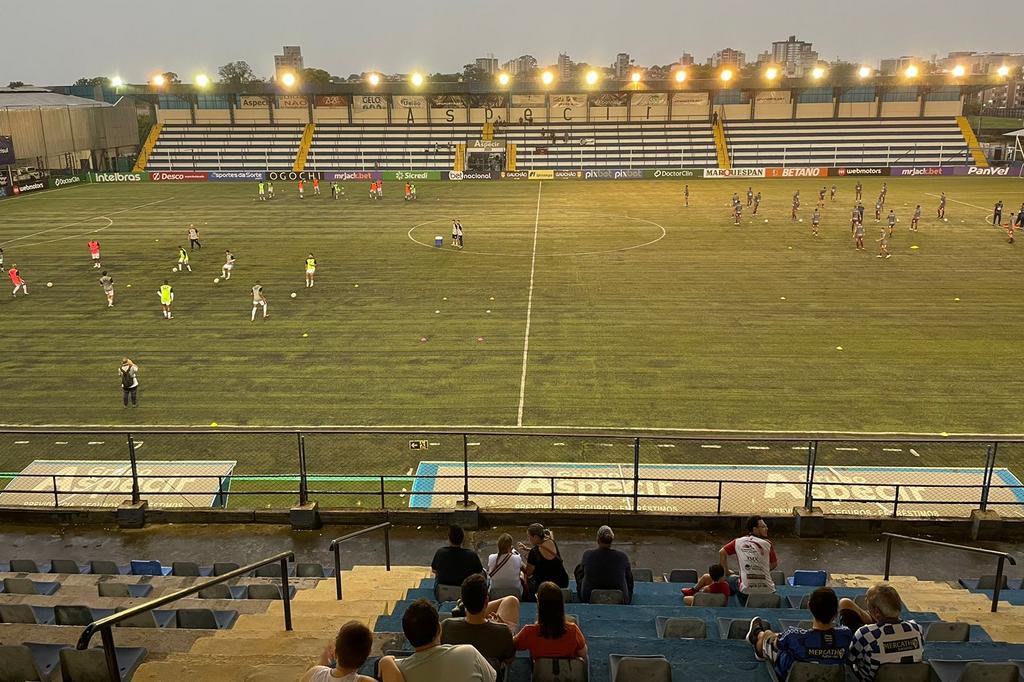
{"type": "Point", "coordinates": [416, 79]}
{"type": "Point", "coordinates": [288, 79]}
{"type": "Point", "coordinates": [771, 73]}
{"type": "Point", "coordinates": [864, 71]}
{"type": "Point", "coordinates": [504, 79]}
{"type": "Point", "coordinates": [202, 80]}
{"type": "Point", "coordinates": [680, 75]}
{"type": "Point", "coordinates": [1003, 71]}
{"type": "Point", "coordinates": [592, 77]}
{"type": "Point", "coordinates": [116, 82]}
{"type": "Point", "coordinates": [635, 77]}
{"type": "Point", "coordinates": [726, 75]}
{"type": "Point", "coordinates": [959, 70]}
{"type": "Point", "coordinates": [158, 80]}
{"type": "Point", "coordinates": [818, 73]}
{"type": "Point", "coordinates": [547, 77]}
{"type": "Point", "coordinates": [374, 79]}
{"type": "Point", "coordinates": [912, 71]}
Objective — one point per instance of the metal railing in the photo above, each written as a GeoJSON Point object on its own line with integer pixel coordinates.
{"type": "Point", "coordinates": [336, 550]}
{"type": "Point", "coordinates": [104, 625]}
{"type": "Point", "coordinates": [1003, 557]}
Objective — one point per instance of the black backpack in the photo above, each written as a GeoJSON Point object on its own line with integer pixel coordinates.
{"type": "Point", "coordinates": [126, 378]}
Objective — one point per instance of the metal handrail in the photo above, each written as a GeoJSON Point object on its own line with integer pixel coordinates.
{"type": "Point", "coordinates": [336, 549]}
{"type": "Point", "coordinates": [1002, 556]}
{"type": "Point", "coordinates": [103, 625]}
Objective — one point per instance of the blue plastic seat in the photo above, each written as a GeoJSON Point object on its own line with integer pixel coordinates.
{"type": "Point", "coordinates": [808, 579]}
{"type": "Point", "coordinates": [140, 567]}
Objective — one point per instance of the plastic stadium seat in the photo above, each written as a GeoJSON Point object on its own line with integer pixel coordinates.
{"type": "Point", "coordinates": [309, 570]}
{"type": "Point", "coordinates": [682, 575]}
{"type": "Point", "coordinates": [808, 578]}
{"type": "Point", "coordinates": [123, 590]}
{"type": "Point", "coordinates": [680, 628]}
{"type": "Point", "coordinates": [560, 670]}
{"type": "Point", "coordinates": [764, 601]}
{"type": "Point", "coordinates": [904, 672]}
{"type": "Point", "coordinates": [189, 569]}
{"type": "Point", "coordinates": [270, 571]}
{"type": "Point", "coordinates": [104, 568]}
{"type": "Point", "coordinates": [91, 664]}
{"type": "Point", "coordinates": [154, 568]}
{"type": "Point", "coordinates": [626, 668]}
{"type": "Point", "coordinates": [988, 582]}
{"type": "Point", "coordinates": [976, 671]}
{"type": "Point", "coordinates": [733, 628]}
{"type": "Point", "coordinates": [447, 592]}
{"type": "Point", "coordinates": [607, 597]}
{"type": "Point", "coordinates": [710, 599]}
{"type": "Point", "coordinates": [17, 613]}
{"type": "Point", "coordinates": [785, 624]}
{"type": "Point", "coordinates": [24, 566]}
{"type": "Point", "coordinates": [149, 619]}
{"type": "Point", "coordinates": [778, 577]}
{"type": "Point", "coordinates": [220, 568]}
{"type": "Point", "coordinates": [803, 671]}
{"type": "Point", "coordinates": [26, 586]}
{"type": "Point", "coordinates": [941, 631]}
{"type": "Point", "coordinates": [567, 595]}
{"type": "Point", "coordinates": [801, 601]}
{"type": "Point", "coordinates": [502, 592]}
{"type": "Point", "coordinates": [643, 575]}
{"type": "Point", "coordinates": [64, 566]}
{"type": "Point", "coordinates": [72, 615]}
{"type": "Point", "coordinates": [29, 661]}
{"type": "Point", "coordinates": [196, 619]}
{"type": "Point", "coordinates": [220, 591]}
{"type": "Point", "coordinates": [263, 591]}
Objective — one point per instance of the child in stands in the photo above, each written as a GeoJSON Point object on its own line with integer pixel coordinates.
{"type": "Point", "coordinates": [341, 661]}
{"type": "Point", "coordinates": [712, 582]}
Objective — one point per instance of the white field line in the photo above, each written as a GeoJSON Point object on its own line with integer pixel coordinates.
{"type": "Point", "coordinates": [84, 220]}
{"type": "Point", "coordinates": [846, 449]}
{"type": "Point", "coordinates": [892, 449]}
{"type": "Point", "coordinates": [712, 447]}
{"type": "Point", "coordinates": [757, 447]}
{"type": "Point", "coordinates": [963, 203]}
{"type": "Point", "coordinates": [914, 452]}
{"type": "Point", "coordinates": [529, 311]}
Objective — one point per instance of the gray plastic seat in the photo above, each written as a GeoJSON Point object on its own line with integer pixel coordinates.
{"type": "Point", "coordinates": [24, 566]}
{"type": "Point", "coordinates": [29, 661]}
{"type": "Point", "coordinates": [90, 665]}
{"type": "Point", "coordinates": [220, 591]}
{"type": "Point", "coordinates": [733, 628]}
{"type": "Point", "coordinates": [196, 619]}
{"type": "Point", "coordinates": [72, 615]}
{"type": "Point", "coordinates": [263, 591]}
{"type": "Point", "coordinates": [800, 601]}
{"type": "Point", "coordinates": [185, 569]}
{"type": "Point", "coordinates": [309, 570]}
{"type": "Point", "coordinates": [149, 619]}
{"type": "Point", "coordinates": [124, 590]}
{"type": "Point", "coordinates": [447, 592]}
{"type": "Point", "coordinates": [17, 613]}
{"type": "Point", "coordinates": [20, 586]}
{"type": "Point", "coordinates": [103, 567]}
{"type": "Point", "coordinates": [785, 624]}
{"type": "Point", "coordinates": [222, 567]}
{"type": "Point", "coordinates": [64, 566]}
{"type": "Point", "coordinates": [778, 577]}
{"type": "Point", "coordinates": [904, 672]}
{"type": "Point", "coordinates": [560, 670]}
{"type": "Point", "coordinates": [643, 575]}
{"type": "Point", "coordinates": [988, 582]}
{"type": "Point", "coordinates": [269, 571]}
{"type": "Point", "coordinates": [680, 628]}
{"type": "Point", "coordinates": [566, 595]}
{"type": "Point", "coordinates": [763, 601]}
{"type": "Point", "coordinates": [607, 597]}
{"type": "Point", "coordinates": [941, 631]}
{"type": "Point", "coordinates": [802, 671]}
{"type": "Point", "coordinates": [681, 575]}
{"type": "Point", "coordinates": [626, 668]}
{"type": "Point", "coordinates": [710, 600]}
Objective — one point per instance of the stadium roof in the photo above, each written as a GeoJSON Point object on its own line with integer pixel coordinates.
{"type": "Point", "coordinates": [1015, 133]}
{"type": "Point", "coordinates": [31, 98]}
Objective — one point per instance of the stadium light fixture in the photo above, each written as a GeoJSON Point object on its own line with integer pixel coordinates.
{"type": "Point", "coordinates": [726, 75]}
{"type": "Point", "coordinates": [202, 80]}
{"type": "Point", "coordinates": [504, 79]}
{"type": "Point", "coordinates": [818, 73]}
{"type": "Point", "coordinates": [158, 80]}
{"type": "Point", "coordinates": [288, 79]}
{"type": "Point", "coordinates": [416, 79]}
{"type": "Point", "coordinates": [959, 71]}
{"type": "Point", "coordinates": [373, 79]}
{"type": "Point", "coordinates": [864, 71]}
{"type": "Point", "coordinates": [547, 78]}
{"type": "Point", "coordinates": [116, 82]}
{"type": "Point", "coordinates": [771, 73]}
{"type": "Point", "coordinates": [680, 75]}
{"type": "Point", "coordinates": [912, 71]}
{"type": "Point", "coordinates": [592, 77]}
{"type": "Point", "coordinates": [1003, 71]}
{"type": "Point", "coordinates": [636, 77]}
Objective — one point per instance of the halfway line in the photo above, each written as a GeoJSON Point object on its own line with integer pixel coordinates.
{"type": "Point", "coordinates": [529, 310]}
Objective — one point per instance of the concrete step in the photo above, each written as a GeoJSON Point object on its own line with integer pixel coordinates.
{"type": "Point", "coordinates": [161, 671]}
{"type": "Point", "coordinates": [156, 641]}
{"type": "Point", "coordinates": [240, 605]}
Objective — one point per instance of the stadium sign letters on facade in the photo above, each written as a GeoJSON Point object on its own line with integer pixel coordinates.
{"type": "Point", "coordinates": [568, 175]}
{"type": "Point", "coordinates": [67, 180]}
{"type": "Point", "coordinates": [796, 172]}
{"type": "Point", "coordinates": [177, 176]}
{"type": "Point", "coordinates": [235, 175]}
{"type": "Point", "coordinates": [32, 186]}
{"type": "Point", "coordinates": [860, 171]}
{"type": "Point", "coordinates": [734, 172]}
{"type": "Point", "coordinates": [925, 171]}
{"type": "Point", "coordinates": [675, 173]}
{"type": "Point", "coordinates": [117, 177]}
{"type": "Point", "coordinates": [515, 175]}
{"type": "Point", "coordinates": [351, 175]}
{"type": "Point", "coordinates": [974, 170]}
{"type": "Point", "coordinates": [275, 176]}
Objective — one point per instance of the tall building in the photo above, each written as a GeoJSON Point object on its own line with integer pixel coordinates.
{"type": "Point", "coordinates": [519, 65]}
{"type": "Point", "coordinates": [728, 57]}
{"type": "Point", "coordinates": [893, 65]}
{"type": "Point", "coordinates": [686, 59]}
{"type": "Point", "coordinates": [488, 65]}
{"type": "Point", "coordinates": [621, 65]}
{"type": "Point", "coordinates": [565, 67]}
{"type": "Point", "coordinates": [291, 60]}
{"type": "Point", "coordinates": [794, 57]}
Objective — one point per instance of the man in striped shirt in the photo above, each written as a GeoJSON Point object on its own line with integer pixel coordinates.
{"type": "Point", "coordinates": [883, 636]}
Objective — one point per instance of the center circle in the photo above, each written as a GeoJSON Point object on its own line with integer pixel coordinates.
{"type": "Point", "coordinates": [656, 231]}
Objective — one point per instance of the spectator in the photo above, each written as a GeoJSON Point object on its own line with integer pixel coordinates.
{"type": "Point", "coordinates": [823, 643]}
{"type": "Point", "coordinates": [506, 568]}
{"type": "Point", "coordinates": [552, 636]}
{"type": "Point", "coordinates": [488, 625]}
{"type": "Point", "coordinates": [756, 558]}
{"type": "Point", "coordinates": [129, 373]}
{"type": "Point", "coordinates": [882, 636]}
{"type": "Point", "coordinates": [454, 563]}
{"type": "Point", "coordinates": [712, 582]}
{"type": "Point", "coordinates": [340, 661]}
{"type": "Point", "coordinates": [605, 568]}
{"type": "Point", "coordinates": [433, 661]}
{"type": "Point", "coordinates": [544, 561]}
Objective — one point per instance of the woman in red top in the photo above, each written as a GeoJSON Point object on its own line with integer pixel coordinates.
{"type": "Point", "coordinates": [552, 636]}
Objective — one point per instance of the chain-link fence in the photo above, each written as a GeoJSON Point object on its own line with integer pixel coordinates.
{"type": "Point", "coordinates": [261, 469]}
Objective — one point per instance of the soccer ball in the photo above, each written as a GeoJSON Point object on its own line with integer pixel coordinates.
{"type": "Point", "coordinates": [49, 284]}
{"type": "Point", "coordinates": [294, 294]}
{"type": "Point", "coordinates": [216, 280]}
{"type": "Point", "coordinates": [174, 269]}
{"type": "Point", "coordinates": [801, 220]}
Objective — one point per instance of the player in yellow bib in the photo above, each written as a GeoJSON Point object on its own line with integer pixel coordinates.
{"type": "Point", "coordinates": [166, 298]}
{"type": "Point", "coordinates": [310, 270]}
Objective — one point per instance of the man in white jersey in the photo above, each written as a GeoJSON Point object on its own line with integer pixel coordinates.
{"type": "Point", "coordinates": [229, 265]}
{"type": "Point", "coordinates": [258, 301]}
{"type": "Point", "coordinates": [756, 558]}
{"type": "Point", "coordinates": [883, 635]}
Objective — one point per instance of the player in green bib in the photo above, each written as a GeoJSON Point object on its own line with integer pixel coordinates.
{"type": "Point", "coordinates": [183, 259]}
{"type": "Point", "coordinates": [310, 270]}
{"type": "Point", "coordinates": [166, 298]}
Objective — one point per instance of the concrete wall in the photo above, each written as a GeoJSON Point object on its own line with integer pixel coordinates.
{"type": "Point", "coordinates": [213, 116]}
{"type": "Point", "coordinates": [330, 115]}
{"type": "Point", "coordinates": [953, 108]}
{"type": "Point", "coordinates": [901, 109]}
{"type": "Point", "coordinates": [858, 109]}
{"type": "Point", "coordinates": [815, 110]}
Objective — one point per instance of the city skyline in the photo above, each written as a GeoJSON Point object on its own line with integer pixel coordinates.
{"type": "Point", "coordinates": [654, 33]}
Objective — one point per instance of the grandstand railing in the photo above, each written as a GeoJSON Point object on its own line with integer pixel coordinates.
{"type": "Point", "coordinates": [896, 477]}
{"type": "Point", "coordinates": [336, 550]}
{"type": "Point", "coordinates": [1002, 557]}
{"type": "Point", "coordinates": [104, 625]}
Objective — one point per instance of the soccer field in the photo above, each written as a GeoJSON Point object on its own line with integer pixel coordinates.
{"type": "Point", "coordinates": [573, 304]}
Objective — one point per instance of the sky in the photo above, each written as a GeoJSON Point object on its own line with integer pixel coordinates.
{"type": "Point", "coordinates": [57, 42]}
